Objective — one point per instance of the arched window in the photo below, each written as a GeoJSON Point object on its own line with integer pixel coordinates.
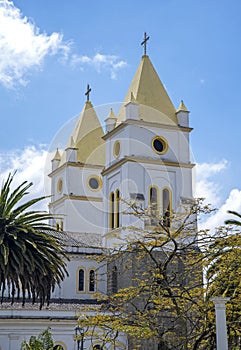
{"type": "Point", "coordinates": [153, 203]}
{"type": "Point", "coordinates": [114, 276]}
{"type": "Point", "coordinates": [117, 216]}
{"type": "Point", "coordinates": [58, 347]}
{"type": "Point", "coordinates": [166, 207]}
{"type": "Point", "coordinates": [81, 280]}
{"type": "Point", "coordinates": [92, 281]}
{"type": "Point", "coordinates": [57, 226]}
{"type": "Point", "coordinates": [112, 210]}
{"type": "Point", "coordinates": [97, 347]}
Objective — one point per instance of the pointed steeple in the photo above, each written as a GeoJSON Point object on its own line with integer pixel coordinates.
{"type": "Point", "coordinates": [56, 160]}
{"type": "Point", "coordinates": [149, 92]}
{"type": "Point", "coordinates": [132, 108]}
{"type": "Point", "coordinates": [57, 155]}
{"type": "Point", "coordinates": [182, 114]}
{"type": "Point", "coordinates": [110, 121]}
{"type": "Point", "coordinates": [182, 107]}
{"type": "Point", "coordinates": [87, 137]}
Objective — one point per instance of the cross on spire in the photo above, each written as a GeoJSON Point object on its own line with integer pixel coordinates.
{"type": "Point", "coordinates": [87, 94]}
{"type": "Point", "coordinates": [146, 38]}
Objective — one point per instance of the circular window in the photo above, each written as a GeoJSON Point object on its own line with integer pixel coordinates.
{"type": "Point", "coordinates": [117, 149]}
{"type": "Point", "coordinates": [60, 185]}
{"type": "Point", "coordinates": [94, 183]}
{"type": "Point", "coordinates": [159, 145]}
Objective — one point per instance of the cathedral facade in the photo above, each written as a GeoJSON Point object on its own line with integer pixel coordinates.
{"type": "Point", "coordinates": [142, 154]}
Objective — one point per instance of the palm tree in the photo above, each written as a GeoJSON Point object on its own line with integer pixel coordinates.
{"type": "Point", "coordinates": [233, 221]}
{"type": "Point", "coordinates": [32, 260]}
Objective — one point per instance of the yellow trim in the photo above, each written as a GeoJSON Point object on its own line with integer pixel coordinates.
{"type": "Point", "coordinates": [117, 208]}
{"type": "Point", "coordinates": [144, 123]}
{"type": "Point", "coordinates": [88, 279]}
{"type": "Point", "coordinates": [111, 213]}
{"type": "Point", "coordinates": [98, 180]}
{"type": "Point", "coordinates": [75, 165]}
{"type": "Point", "coordinates": [61, 344]}
{"type": "Point", "coordinates": [158, 195]}
{"type": "Point", "coordinates": [72, 197]}
{"type": "Point", "coordinates": [77, 280]}
{"type": "Point", "coordinates": [170, 199]}
{"type": "Point", "coordinates": [116, 149]}
{"type": "Point", "coordinates": [148, 161]}
{"type": "Point", "coordinates": [60, 185]}
{"type": "Point", "coordinates": [164, 142]}
{"type": "Point", "coordinates": [157, 211]}
{"type": "Point", "coordinates": [97, 343]}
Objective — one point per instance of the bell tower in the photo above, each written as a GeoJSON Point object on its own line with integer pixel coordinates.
{"type": "Point", "coordinates": [76, 176]}
{"type": "Point", "coordinates": [148, 155]}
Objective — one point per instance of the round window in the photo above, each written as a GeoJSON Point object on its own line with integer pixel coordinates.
{"type": "Point", "coordinates": [60, 185]}
{"type": "Point", "coordinates": [159, 145]}
{"type": "Point", "coordinates": [94, 183]}
{"type": "Point", "coordinates": [117, 149]}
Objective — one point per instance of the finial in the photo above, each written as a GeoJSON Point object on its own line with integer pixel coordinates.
{"type": "Point", "coordinates": [182, 107]}
{"type": "Point", "coordinates": [146, 38]}
{"type": "Point", "coordinates": [87, 94]}
{"type": "Point", "coordinates": [132, 99]}
{"type": "Point", "coordinates": [57, 155]}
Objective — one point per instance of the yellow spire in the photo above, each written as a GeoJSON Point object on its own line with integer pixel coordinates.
{"type": "Point", "coordinates": [149, 91]}
{"type": "Point", "coordinates": [87, 137]}
{"type": "Point", "coordinates": [111, 115]}
{"type": "Point", "coordinates": [57, 155]}
{"type": "Point", "coordinates": [182, 107]}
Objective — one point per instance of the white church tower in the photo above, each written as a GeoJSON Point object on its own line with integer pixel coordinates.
{"type": "Point", "coordinates": [147, 155]}
{"type": "Point", "coordinates": [76, 177]}
{"type": "Point", "coordinates": [144, 156]}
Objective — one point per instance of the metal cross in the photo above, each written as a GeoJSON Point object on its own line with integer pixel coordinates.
{"type": "Point", "coordinates": [88, 92]}
{"type": "Point", "coordinates": [146, 38]}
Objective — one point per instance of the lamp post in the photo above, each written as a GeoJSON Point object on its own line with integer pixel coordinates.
{"type": "Point", "coordinates": [80, 342]}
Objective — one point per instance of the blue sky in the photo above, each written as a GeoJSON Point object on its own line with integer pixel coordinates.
{"type": "Point", "coordinates": [50, 50]}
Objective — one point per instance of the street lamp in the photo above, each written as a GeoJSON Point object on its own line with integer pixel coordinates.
{"type": "Point", "coordinates": [80, 342]}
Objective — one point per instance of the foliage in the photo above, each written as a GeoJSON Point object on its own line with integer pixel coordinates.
{"type": "Point", "coordinates": [224, 276]}
{"type": "Point", "coordinates": [163, 300]}
{"type": "Point", "coordinates": [236, 222]}
{"type": "Point", "coordinates": [31, 257]}
{"type": "Point", "coordinates": [43, 342]}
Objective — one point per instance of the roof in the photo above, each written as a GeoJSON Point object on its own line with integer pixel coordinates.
{"type": "Point", "coordinates": [182, 107]}
{"type": "Point", "coordinates": [87, 138]}
{"type": "Point", "coordinates": [147, 90]}
{"type": "Point", "coordinates": [78, 242]}
{"type": "Point", "coordinates": [57, 155]}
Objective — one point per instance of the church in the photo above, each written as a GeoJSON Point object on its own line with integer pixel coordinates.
{"type": "Point", "coordinates": [142, 154]}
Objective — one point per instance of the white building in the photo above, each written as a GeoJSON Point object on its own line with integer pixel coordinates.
{"type": "Point", "coordinates": [143, 155]}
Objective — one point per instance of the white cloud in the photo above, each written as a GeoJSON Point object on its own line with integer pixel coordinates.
{"type": "Point", "coordinates": [30, 164]}
{"type": "Point", "coordinates": [233, 202]}
{"type": "Point", "coordinates": [206, 187]}
{"type": "Point", "coordinates": [23, 46]}
{"type": "Point", "coordinates": [100, 63]}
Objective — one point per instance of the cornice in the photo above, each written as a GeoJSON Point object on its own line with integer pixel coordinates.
{"type": "Point", "coordinates": [145, 123]}
{"type": "Point", "coordinates": [147, 161]}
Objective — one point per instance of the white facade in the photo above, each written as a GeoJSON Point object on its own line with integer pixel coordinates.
{"type": "Point", "coordinates": [144, 155]}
